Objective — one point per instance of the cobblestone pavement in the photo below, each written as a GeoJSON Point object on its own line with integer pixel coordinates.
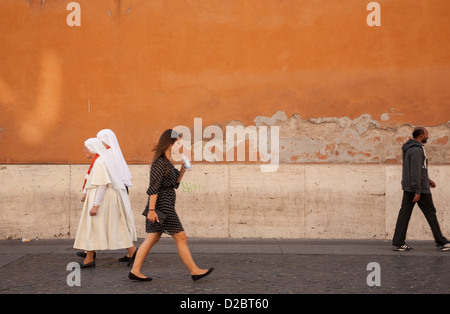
{"type": "Point", "coordinates": [240, 267]}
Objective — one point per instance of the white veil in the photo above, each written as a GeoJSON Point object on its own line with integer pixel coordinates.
{"type": "Point", "coordinates": [96, 146]}
{"type": "Point", "coordinates": [108, 137]}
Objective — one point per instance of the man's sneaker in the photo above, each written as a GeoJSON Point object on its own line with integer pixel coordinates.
{"type": "Point", "coordinates": [445, 247]}
{"type": "Point", "coordinates": [402, 248]}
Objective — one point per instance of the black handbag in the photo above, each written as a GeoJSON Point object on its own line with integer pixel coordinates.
{"type": "Point", "coordinates": [161, 216]}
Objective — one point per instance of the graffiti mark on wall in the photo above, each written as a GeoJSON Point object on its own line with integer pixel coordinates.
{"type": "Point", "coordinates": [190, 187]}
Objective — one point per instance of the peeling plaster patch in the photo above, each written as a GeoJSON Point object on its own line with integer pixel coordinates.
{"type": "Point", "coordinates": [385, 117]}
{"type": "Point", "coordinates": [279, 116]}
{"type": "Point", "coordinates": [345, 140]}
{"type": "Point", "coordinates": [361, 124]}
{"type": "Point", "coordinates": [441, 141]}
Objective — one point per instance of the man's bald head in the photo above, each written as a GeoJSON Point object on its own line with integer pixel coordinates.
{"type": "Point", "coordinates": [420, 134]}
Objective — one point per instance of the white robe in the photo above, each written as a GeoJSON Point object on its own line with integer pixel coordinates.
{"type": "Point", "coordinates": [113, 226]}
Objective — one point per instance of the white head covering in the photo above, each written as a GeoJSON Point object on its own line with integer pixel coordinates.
{"type": "Point", "coordinates": [108, 137]}
{"type": "Point", "coordinates": [96, 146]}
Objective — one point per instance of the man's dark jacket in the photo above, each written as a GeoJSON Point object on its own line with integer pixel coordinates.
{"type": "Point", "coordinates": [415, 168]}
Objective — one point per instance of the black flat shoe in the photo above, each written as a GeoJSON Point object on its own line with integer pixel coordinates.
{"type": "Point", "coordinates": [91, 264]}
{"type": "Point", "coordinates": [83, 254]}
{"type": "Point", "coordinates": [197, 277]}
{"type": "Point", "coordinates": [134, 277]}
{"type": "Point", "coordinates": [126, 258]}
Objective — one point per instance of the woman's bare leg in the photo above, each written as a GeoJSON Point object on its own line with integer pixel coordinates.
{"type": "Point", "coordinates": [144, 249]}
{"type": "Point", "coordinates": [185, 254]}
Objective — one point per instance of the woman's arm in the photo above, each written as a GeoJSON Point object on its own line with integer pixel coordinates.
{"type": "Point", "coordinates": [182, 171]}
{"type": "Point", "coordinates": [151, 212]}
{"type": "Point", "coordinates": [156, 175]}
{"type": "Point", "coordinates": [152, 202]}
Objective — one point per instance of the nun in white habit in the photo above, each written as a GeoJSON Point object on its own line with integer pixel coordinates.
{"type": "Point", "coordinates": [105, 223]}
{"type": "Point", "coordinates": [109, 139]}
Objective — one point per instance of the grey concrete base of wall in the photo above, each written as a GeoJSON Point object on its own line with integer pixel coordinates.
{"type": "Point", "coordinates": [333, 201]}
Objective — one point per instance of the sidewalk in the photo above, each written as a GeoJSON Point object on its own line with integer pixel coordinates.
{"type": "Point", "coordinates": [242, 266]}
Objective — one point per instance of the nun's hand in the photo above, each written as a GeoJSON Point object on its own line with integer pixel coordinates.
{"type": "Point", "coordinates": [93, 211]}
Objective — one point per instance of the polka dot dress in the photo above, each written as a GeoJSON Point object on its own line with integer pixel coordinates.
{"type": "Point", "coordinates": [164, 186]}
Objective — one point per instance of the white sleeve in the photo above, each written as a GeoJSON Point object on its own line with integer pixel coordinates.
{"type": "Point", "coordinates": [99, 195]}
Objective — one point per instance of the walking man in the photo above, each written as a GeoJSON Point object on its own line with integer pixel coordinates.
{"type": "Point", "coordinates": [416, 189]}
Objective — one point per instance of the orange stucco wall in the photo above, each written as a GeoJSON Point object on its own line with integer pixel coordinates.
{"type": "Point", "coordinates": [140, 67]}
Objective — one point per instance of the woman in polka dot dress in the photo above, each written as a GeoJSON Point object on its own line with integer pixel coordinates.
{"type": "Point", "coordinates": [164, 179]}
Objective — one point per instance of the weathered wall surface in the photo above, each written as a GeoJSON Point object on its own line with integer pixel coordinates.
{"type": "Point", "coordinates": [345, 140]}
{"type": "Point", "coordinates": [139, 67]}
{"type": "Point", "coordinates": [232, 200]}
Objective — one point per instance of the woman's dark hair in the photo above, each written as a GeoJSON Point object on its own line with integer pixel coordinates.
{"type": "Point", "coordinates": [167, 138]}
